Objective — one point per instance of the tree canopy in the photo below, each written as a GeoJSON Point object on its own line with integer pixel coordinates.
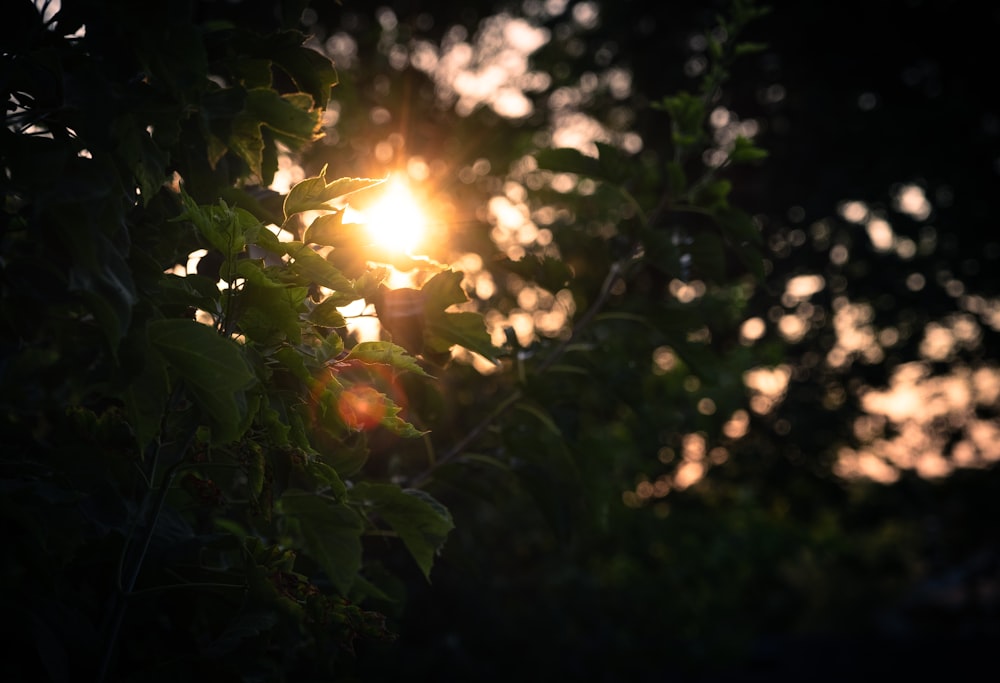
{"type": "Point", "coordinates": [604, 341]}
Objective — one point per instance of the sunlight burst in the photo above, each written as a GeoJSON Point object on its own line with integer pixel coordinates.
{"type": "Point", "coordinates": [396, 220]}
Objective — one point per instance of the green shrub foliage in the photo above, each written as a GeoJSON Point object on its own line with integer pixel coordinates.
{"type": "Point", "coordinates": [186, 477]}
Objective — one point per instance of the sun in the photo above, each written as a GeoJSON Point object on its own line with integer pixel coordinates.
{"type": "Point", "coordinates": [396, 221]}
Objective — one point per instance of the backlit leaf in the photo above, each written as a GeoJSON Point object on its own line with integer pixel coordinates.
{"type": "Point", "coordinates": [394, 423]}
{"type": "Point", "coordinates": [246, 142]}
{"type": "Point", "coordinates": [442, 291]}
{"type": "Point", "coordinates": [744, 151]}
{"type": "Point", "coordinates": [326, 314]}
{"type": "Point", "coordinates": [386, 353]}
{"type": "Point", "coordinates": [314, 268]}
{"type": "Point", "coordinates": [312, 72]}
{"type": "Point", "coordinates": [286, 114]}
{"type": "Point", "coordinates": [313, 194]}
{"type": "Point", "coordinates": [227, 228]}
{"type": "Point", "coordinates": [465, 329]}
{"type": "Point", "coordinates": [329, 230]}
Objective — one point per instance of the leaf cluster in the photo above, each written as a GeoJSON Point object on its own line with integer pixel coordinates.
{"type": "Point", "coordinates": [191, 431]}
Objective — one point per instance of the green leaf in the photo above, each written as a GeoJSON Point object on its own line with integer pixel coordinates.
{"type": "Point", "coordinates": [294, 362]}
{"type": "Point", "coordinates": [314, 268]}
{"type": "Point", "coordinates": [713, 195]}
{"type": "Point", "coordinates": [714, 48]}
{"type": "Point", "coordinates": [687, 112]}
{"type": "Point", "coordinates": [421, 522]}
{"type": "Point", "coordinates": [246, 142]}
{"type": "Point", "coordinates": [395, 424]}
{"type": "Point", "coordinates": [347, 456]}
{"type": "Point", "coordinates": [226, 228]}
{"type": "Point", "coordinates": [466, 329]}
{"type": "Point", "coordinates": [744, 150]}
{"type": "Point", "coordinates": [255, 470]}
{"type": "Point", "coordinates": [267, 240]}
{"type": "Point", "coordinates": [568, 160]}
{"type": "Point", "coordinates": [275, 428]}
{"type": "Point", "coordinates": [291, 114]}
{"type": "Point", "coordinates": [228, 413]}
{"type": "Point", "coordinates": [193, 290]}
{"type": "Point", "coordinates": [101, 277]}
{"type": "Point", "coordinates": [313, 194]}
{"type": "Point", "coordinates": [214, 369]}
{"type": "Point", "coordinates": [325, 477]}
{"type": "Point", "coordinates": [329, 230]}
{"type": "Point", "coordinates": [312, 72]}
{"type": "Point", "coordinates": [254, 272]}
{"type": "Point", "coordinates": [386, 353]}
{"type": "Point", "coordinates": [252, 72]}
{"type": "Point", "coordinates": [331, 347]}
{"type": "Point", "coordinates": [748, 48]}
{"type": "Point", "coordinates": [442, 291]}
{"type": "Point", "coordinates": [201, 356]}
{"type": "Point", "coordinates": [325, 314]}
{"type": "Point", "coordinates": [331, 534]}
{"type": "Point", "coordinates": [269, 310]}
{"type": "Point", "coordinates": [264, 205]}
{"type": "Point", "coordinates": [269, 163]}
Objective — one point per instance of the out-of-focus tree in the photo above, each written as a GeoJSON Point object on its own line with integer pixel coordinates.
{"type": "Point", "coordinates": [834, 498]}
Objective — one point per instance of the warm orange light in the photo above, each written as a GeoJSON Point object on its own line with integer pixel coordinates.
{"type": "Point", "coordinates": [396, 221]}
{"type": "Point", "coordinates": [361, 407]}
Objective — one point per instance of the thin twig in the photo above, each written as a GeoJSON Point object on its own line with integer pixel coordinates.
{"type": "Point", "coordinates": [470, 436]}
{"type": "Point", "coordinates": [614, 274]}
{"type": "Point", "coordinates": [131, 576]}
{"type": "Point", "coordinates": [195, 585]}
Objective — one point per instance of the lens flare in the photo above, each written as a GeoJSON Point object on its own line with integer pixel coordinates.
{"type": "Point", "coordinates": [361, 407]}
